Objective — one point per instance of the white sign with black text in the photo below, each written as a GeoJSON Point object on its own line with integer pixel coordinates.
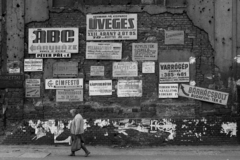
{"type": "Point", "coordinates": [69, 83]}
{"type": "Point", "coordinates": [33, 65]}
{"type": "Point", "coordinates": [168, 91]}
{"type": "Point", "coordinates": [100, 87]}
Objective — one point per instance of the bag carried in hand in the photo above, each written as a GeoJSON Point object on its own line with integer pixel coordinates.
{"type": "Point", "coordinates": [76, 144]}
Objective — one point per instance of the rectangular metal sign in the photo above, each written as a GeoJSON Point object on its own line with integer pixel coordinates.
{"type": "Point", "coordinates": [65, 69]}
{"type": "Point", "coordinates": [11, 81]}
{"type": "Point", "coordinates": [69, 95]}
{"type": "Point", "coordinates": [203, 94]}
{"type": "Point", "coordinates": [97, 71]}
{"type": "Point", "coordinates": [53, 40]}
{"type": "Point", "coordinates": [69, 83]}
{"type": "Point", "coordinates": [103, 50]}
{"type": "Point", "coordinates": [125, 69]}
{"type": "Point", "coordinates": [53, 55]}
{"type": "Point", "coordinates": [32, 83]}
{"type": "Point", "coordinates": [173, 72]}
{"type": "Point", "coordinates": [33, 65]}
{"type": "Point", "coordinates": [144, 51]}
{"type": "Point", "coordinates": [129, 88]}
{"type": "Point", "coordinates": [174, 37]}
{"type": "Point", "coordinates": [168, 91]}
{"type": "Point", "coordinates": [148, 67]}
{"type": "Point", "coordinates": [111, 26]}
{"type": "Point", "coordinates": [32, 87]}
{"type": "Point", "coordinates": [100, 87]}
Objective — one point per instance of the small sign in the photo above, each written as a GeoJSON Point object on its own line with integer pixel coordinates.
{"type": "Point", "coordinates": [33, 65]}
{"type": "Point", "coordinates": [13, 66]}
{"type": "Point", "coordinates": [32, 83]}
{"type": "Point", "coordinates": [70, 83]}
{"type": "Point", "coordinates": [168, 91]}
{"type": "Point", "coordinates": [97, 71]}
{"type": "Point", "coordinates": [203, 94]}
{"type": "Point", "coordinates": [125, 69]}
{"type": "Point", "coordinates": [100, 87]}
{"type": "Point", "coordinates": [174, 37]}
{"type": "Point", "coordinates": [53, 55]}
{"type": "Point", "coordinates": [148, 67]}
{"type": "Point", "coordinates": [103, 50]}
{"type": "Point", "coordinates": [69, 95]}
{"type": "Point", "coordinates": [174, 72]}
{"type": "Point", "coordinates": [65, 69]}
{"type": "Point", "coordinates": [144, 51]}
{"type": "Point", "coordinates": [11, 81]}
{"type": "Point", "coordinates": [129, 88]}
{"type": "Point", "coordinates": [32, 87]}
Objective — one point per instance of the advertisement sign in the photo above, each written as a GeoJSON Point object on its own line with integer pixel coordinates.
{"type": "Point", "coordinates": [53, 55]}
{"type": "Point", "coordinates": [129, 88]}
{"type": "Point", "coordinates": [69, 95]}
{"type": "Point", "coordinates": [174, 72]}
{"type": "Point", "coordinates": [29, 83]}
{"type": "Point", "coordinates": [70, 83]}
{"type": "Point", "coordinates": [168, 91]}
{"type": "Point", "coordinates": [32, 87]}
{"type": "Point", "coordinates": [11, 81]}
{"type": "Point", "coordinates": [174, 37]}
{"type": "Point", "coordinates": [111, 26]}
{"type": "Point", "coordinates": [100, 87]}
{"type": "Point", "coordinates": [144, 51]}
{"type": "Point", "coordinates": [52, 40]}
{"type": "Point", "coordinates": [33, 65]}
{"type": "Point", "coordinates": [203, 94]}
{"type": "Point", "coordinates": [13, 66]}
{"type": "Point", "coordinates": [65, 69]}
{"type": "Point", "coordinates": [97, 71]}
{"type": "Point", "coordinates": [148, 67]}
{"type": "Point", "coordinates": [104, 50]}
{"type": "Point", "coordinates": [125, 69]}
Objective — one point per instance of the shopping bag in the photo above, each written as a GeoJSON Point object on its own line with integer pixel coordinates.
{"type": "Point", "coordinates": [76, 144]}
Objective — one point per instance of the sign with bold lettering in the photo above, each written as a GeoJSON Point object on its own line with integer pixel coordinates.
{"type": "Point", "coordinates": [174, 72]}
{"type": "Point", "coordinates": [203, 94]}
{"type": "Point", "coordinates": [74, 83]}
{"type": "Point", "coordinates": [33, 65]}
{"type": "Point", "coordinates": [53, 55]}
{"type": "Point", "coordinates": [11, 81]}
{"type": "Point", "coordinates": [100, 87]}
{"type": "Point", "coordinates": [111, 26]}
{"type": "Point", "coordinates": [69, 95]}
{"type": "Point", "coordinates": [148, 67]}
{"type": "Point", "coordinates": [125, 69]}
{"type": "Point", "coordinates": [97, 71]}
{"type": "Point", "coordinates": [174, 37]}
{"type": "Point", "coordinates": [65, 69]}
{"type": "Point", "coordinates": [144, 51]}
{"type": "Point", "coordinates": [104, 50]}
{"type": "Point", "coordinates": [129, 88]}
{"type": "Point", "coordinates": [52, 40]}
{"type": "Point", "coordinates": [168, 91]}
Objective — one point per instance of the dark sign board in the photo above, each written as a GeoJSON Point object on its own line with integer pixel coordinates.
{"type": "Point", "coordinates": [11, 81]}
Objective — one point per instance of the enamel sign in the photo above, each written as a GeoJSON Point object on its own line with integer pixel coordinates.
{"type": "Point", "coordinates": [144, 51]}
{"type": "Point", "coordinates": [129, 88]}
{"type": "Point", "coordinates": [100, 87]}
{"type": "Point", "coordinates": [33, 65]}
{"type": "Point", "coordinates": [70, 83]}
{"type": "Point", "coordinates": [168, 91]}
{"type": "Point", "coordinates": [125, 69]}
{"type": "Point", "coordinates": [69, 95]}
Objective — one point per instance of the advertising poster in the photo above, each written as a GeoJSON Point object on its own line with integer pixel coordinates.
{"type": "Point", "coordinates": [65, 69]}
{"type": "Point", "coordinates": [100, 87]}
{"type": "Point", "coordinates": [129, 88]}
{"type": "Point", "coordinates": [97, 71]}
{"type": "Point", "coordinates": [203, 94]}
{"type": "Point", "coordinates": [103, 50]}
{"type": "Point", "coordinates": [111, 26]}
{"type": "Point", "coordinates": [69, 95]}
{"type": "Point", "coordinates": [173, 72]}
{"type": "Point", "coordinates": [13, 66]}
{"type": "Point", "coordinates": [53, 40]}
{"type": "Point", "coordinates": [174, 37]}
{"type": "Point", "coordinates": [148, 67]}
{"type": "Point", "coordinates": [168, 91]}
{"type": "Point", "coordinates": [53, 55]}
{"type": "Point", "coordinates": [33, 65]}
{"type": "Point", "coordinates": [125, 69]}
{"type": "Point", "coordinates": [32, 88]}
{"type": "Point", "coordinates": [69, 83]}
{"type": "Point", "coordinates": [144, 51]}
{"type": "Point", "coordinates": [11, 81]}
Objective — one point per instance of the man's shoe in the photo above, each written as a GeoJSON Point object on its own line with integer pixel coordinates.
{"type": "Point", "coordinates": [71, 154]}
{"type": "Point", "coordinates": [87, 154]}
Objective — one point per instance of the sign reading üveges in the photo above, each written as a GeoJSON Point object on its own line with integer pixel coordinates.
{"type": "Point", "coordinates": [74, 83]}
{"type": "Point", "coordinates": [53, 40]}
{"type": "Point", "coordinates": [203, 94]}
{"type": "Point", "coordinates": [111, 26]}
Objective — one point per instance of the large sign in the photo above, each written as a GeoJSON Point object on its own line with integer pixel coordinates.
{"type": "Point", "coordinates": [144, 51]}
{"type": "Point", "coordinates": [33, 65]}
{"type": "Point", "coordinates": [65, 69]}
{"type": "Point", "coordinates": [100, 87]}
{"type": "Point", "coordinates": [52, 40]}
{"type": "Point", "coordinates": [11, 81]}
{"type": "Point", "coordinates": [104, 50]}
{"type": "Point", "coordinates": [125, 69]}
{"type": "Point", "coordinates": [174, 37]}
{"type": "Point", "coordinates": [111, 26]}
{"type": "Point", "coordinates": [174, 72]}
{"type": "Point", "coordinates": [148, 67]}
{"type": "Point", "coordinates": [97, 71]}
{"type": "Point", "coordinates": [203, 94]}
{"type": "Point", "coordinates": [168, 91]}
{"type": "Point", "coordinates": [69, 95]}
{"type": "Point", "coordinates": [70, 83]}
{"type": "Point", "coordinates": [129, 88]}
{"type": "Point", "coordinates": [32, 87]}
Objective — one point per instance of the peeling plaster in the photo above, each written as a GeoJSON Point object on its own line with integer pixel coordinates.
{"type": "Point", "coordinates": [229, 129]}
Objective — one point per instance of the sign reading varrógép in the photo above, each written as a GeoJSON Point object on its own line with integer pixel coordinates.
{"type": "Point", "coordinates": [111, 26]}
{"type": "Point", "coordinates": [74, 83]}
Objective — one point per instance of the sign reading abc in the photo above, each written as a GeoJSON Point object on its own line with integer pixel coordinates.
{"type": "Point", "coordinates": [111, 26]}
{"type": "Point", "coordinates": [53, 40]}
{"type": "Point", "coordinates": [69, 83]}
